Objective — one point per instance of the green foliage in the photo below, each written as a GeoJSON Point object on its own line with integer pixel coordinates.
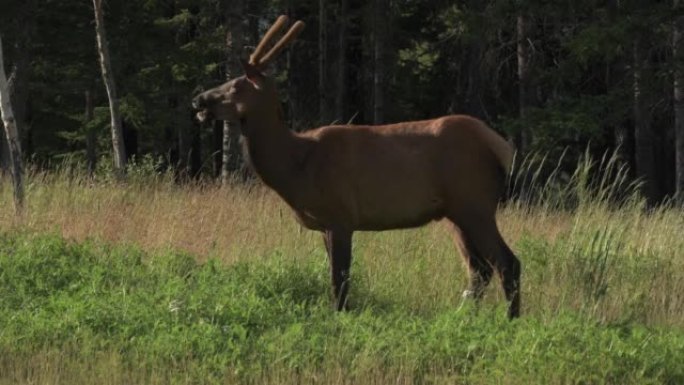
{"type": "Point", "coordinates": [452, 57]}
{"type": "Point", "coordinates": [421, 57]}
{"type": "Point", "coordinates": [146, 170]}
{"type": "Point", "coordinates": [253, 318]}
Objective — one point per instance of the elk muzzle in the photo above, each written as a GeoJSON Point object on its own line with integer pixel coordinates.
{"type": "Point", "coordinates": [201, 104]}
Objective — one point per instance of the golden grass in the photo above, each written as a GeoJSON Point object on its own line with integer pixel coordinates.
{"type": "Point", "coordinates": [207, 221]}
{"type": "Point", "coordinates": [641, 253]}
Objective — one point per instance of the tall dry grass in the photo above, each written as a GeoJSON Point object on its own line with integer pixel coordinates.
{"type": "Point", "coordinates": [585, 239]}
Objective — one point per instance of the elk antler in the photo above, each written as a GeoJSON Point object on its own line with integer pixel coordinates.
{"type": "Point", "coordinates": [258, 58]}
{"type": "Point", "coordinates": [285, 40]}
{"type": "Point", "coordinates": [259, 51]}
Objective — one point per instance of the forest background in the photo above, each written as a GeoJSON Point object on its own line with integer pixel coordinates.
{"type": "Point", "coordinates": [556, 77]}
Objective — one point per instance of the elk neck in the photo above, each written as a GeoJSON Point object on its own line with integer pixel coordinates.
{"type": "Point", "coordinates": [272, 150]}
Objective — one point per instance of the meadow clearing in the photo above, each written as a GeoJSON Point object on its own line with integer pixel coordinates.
{"type": "Point", "coordinates": [151, 282]}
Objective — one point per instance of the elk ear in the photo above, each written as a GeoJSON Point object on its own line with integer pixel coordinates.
{"type": "Point", "coordinates": [252, 73]}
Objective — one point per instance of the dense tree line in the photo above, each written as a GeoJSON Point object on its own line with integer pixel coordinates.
{"type": "Point", "coordinates": [553, 76]}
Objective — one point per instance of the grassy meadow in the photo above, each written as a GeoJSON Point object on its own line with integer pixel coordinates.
{"type": "Point", "coordinates": [152, 282]}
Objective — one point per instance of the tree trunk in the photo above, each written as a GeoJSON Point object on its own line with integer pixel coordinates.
{"type": "Point", "coordinates": [91, 155]}
{"type": "Point", "coordinates": [678, 57]}
{"type": "Point", "coordinates": [232, 155]}
{"type": "Point", "coordinates": [18, 82]}
{"type": "Point", "coordinates": [341, 94]}
{"type": "Point", "coordinates": [621, 133]}
{"type": "Point", "coordinates": [217, 148]}
{"type": "Point", "coordinates": [19, 88]}
{"type": "Point", "coordinates": [473, 103]}
{"type": "Point", "coordinates": [12, 138]}
{"type": "Point", "coordinates": [323, 86]}
{"type": "Point", "coordinates": [119, 150]}
{"type": "Point", "coordinates": [5, 158]}
{"type": "Point", "coordinates": [184, 144]}
{"type": "Point", "coordinates": [358, 104]}
{"type": "Point", "coordinates": [643, 135]}
{"type": "Point", "coordinates": [195, 149]}
{"type": "Point", "coordinates": [616, 72]}
{"type": "Point", "coordinates": [381, 24]}
{"type": "Point", "coordinates": [523, 138]}
{"type": "Point", "coordinates": [184, 129]}
{"type": "Point", "coordinates": [473, 94]}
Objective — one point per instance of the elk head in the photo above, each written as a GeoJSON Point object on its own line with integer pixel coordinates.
{"type": "Point", "coordinates": [252, 93]}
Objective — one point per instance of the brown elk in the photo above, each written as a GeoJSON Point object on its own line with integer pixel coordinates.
{"type": "Point", "coordinates": [344, 178]}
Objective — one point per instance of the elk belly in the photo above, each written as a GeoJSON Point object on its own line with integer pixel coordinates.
{"type": "Point", "coordinates": [396, 208]}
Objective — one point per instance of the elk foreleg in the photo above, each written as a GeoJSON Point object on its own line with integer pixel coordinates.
{"type": "Point", "coordinates": [338, 246]}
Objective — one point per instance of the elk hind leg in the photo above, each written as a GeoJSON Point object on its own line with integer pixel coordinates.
{"type": "Point", "coordinates": [482, 231]}
{"type": "Point", "coordinates": [480, 271]}
{"type": "Point", "coordinates": [509, 269]}
{"type": "Point", "coordinates": [338, 246]}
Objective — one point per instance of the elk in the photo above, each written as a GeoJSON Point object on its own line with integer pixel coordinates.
{"type": "Point", "coordinates": [344, 178]}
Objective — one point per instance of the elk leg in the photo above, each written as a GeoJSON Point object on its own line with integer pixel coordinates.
{"type": "Point", "coordinates": [480, 274]}
{"type": "Point", "coordinates": [482, 231]}
{"type": "Point", "coordinates": [338, 246]}
{"type": "Point", "coordinates": [508, 267]}
{"type": "Point", "coordinates": [480, 271]}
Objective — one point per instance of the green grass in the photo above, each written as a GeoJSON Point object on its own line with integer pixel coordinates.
{"type": "Point", "coordinates": [89, 312]}
{"type": "Point", "coordinates": [151, 282]}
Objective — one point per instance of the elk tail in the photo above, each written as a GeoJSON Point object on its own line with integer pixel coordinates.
{"type": "Point", "coordinates": [504, 153]}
